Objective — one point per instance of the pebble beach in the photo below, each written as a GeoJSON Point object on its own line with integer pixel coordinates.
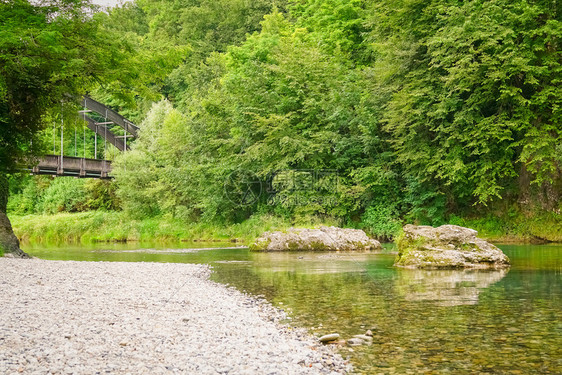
{"type": "Point", "coordinates": [66, 317]}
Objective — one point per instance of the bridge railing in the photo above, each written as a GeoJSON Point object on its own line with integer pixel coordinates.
{"type": "Point", "coordinates": [104, 132]}
{"type": "Point", "coordinates": [110, 114]}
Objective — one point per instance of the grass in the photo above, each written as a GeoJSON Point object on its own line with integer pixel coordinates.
{"type": "Point", "coordinates": [97, 226]}
{"type": "Point", "coordinates": [516, 227]}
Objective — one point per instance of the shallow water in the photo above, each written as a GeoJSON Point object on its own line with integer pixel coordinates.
{"type": "Point", "coordinates": [505, 321]}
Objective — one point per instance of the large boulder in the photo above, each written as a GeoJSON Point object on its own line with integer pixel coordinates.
{"type": "Point", "coordinates": [448, 246]}
{"type": "Point", "coordinates": [322, 239]}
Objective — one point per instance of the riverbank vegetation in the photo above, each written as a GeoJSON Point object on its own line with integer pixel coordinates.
{"type": "Point", "coordinates": [101, 226]}
{"type": "Point", "coordinates": [365, 114]}
{"type": "Point", "coordinates": [98, 226]}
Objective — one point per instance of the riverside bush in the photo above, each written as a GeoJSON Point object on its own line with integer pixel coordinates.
{"type": "Point", "coordinates": [381, 220]}
{"type": "Point", "coordinates": [63, 195]}
{"type": "Point", "coordinates": [48, 195]}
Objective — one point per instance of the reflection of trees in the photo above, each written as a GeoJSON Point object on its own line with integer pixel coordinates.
{"type": "Point", "coordinates": [446, 287]}
{"type": "Point", "coordinates": [312, 263]}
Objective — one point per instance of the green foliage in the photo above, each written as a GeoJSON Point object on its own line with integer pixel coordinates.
{"type": "Point", "coordinates": [24, 201]}
{"type": "Point", "coordinates": [381, 220]}
{"type": "Point", "coordinates": [101, 195]}
{"type": "Point", "coordinates": [147, 175]}
{"type": "Point", "coordinates": [427, 205]}
{"type": "Point", "coordinates": [477, 93]}
{"type": "Point", "coordinates": [410, 103]}
{"type": "Point", "coordinates": [515, 226]}
{"type": "Point", "coordinates": [169, 42]}
{"type": "Point", "coordinates": [64, 194]}
{"type": "Point", "coordinates": [47, 195]}
{"type": "Point", "coordinates": [337, 25]}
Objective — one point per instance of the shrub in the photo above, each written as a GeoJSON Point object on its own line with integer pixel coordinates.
{"type": "Point", "coordinates": [381, 220]}
{"type": "Point", "coordinates": [64, 194]}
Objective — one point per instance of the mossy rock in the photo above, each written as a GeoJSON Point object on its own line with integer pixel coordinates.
{"type": "Point", "coordinates": [448, 246]}
{"type": "Point", "coordinates": [321, 239]}
{"type": "Point", "coordinates": [260, 245]}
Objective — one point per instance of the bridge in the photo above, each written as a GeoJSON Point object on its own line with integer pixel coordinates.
{"type": "Point", "coordinates": [73, 166]}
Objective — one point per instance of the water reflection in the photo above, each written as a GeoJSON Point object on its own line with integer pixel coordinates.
{"type": "Point", "coordinates": [312, 263]}
{"type": "Point", "coordinates": [446, 287]}
{"type": "Point", "coordinates": [173, 251]}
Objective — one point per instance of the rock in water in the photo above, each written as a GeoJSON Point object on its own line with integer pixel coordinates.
{"type": "Point", "coordinates": [330, 337]}
{"type": "Point", "coordinates": [322, 239]}
{"type": "Point", "coordinates": [363, 337]}
{"type": "Point", "coordinates": [448, 246]}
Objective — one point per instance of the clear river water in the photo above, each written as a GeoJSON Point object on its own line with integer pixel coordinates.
{"type": "Point", "coordinates": [460, 322]}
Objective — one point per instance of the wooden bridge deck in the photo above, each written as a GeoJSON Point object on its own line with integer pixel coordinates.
{"type": "Point", "coordinates": [72, 167]}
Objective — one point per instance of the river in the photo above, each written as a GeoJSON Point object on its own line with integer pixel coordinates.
{"type": "Point", "coordinates": [498, 322]}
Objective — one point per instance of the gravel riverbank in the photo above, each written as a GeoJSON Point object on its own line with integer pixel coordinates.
{"type": "Point", "coordinates": [68, 317]}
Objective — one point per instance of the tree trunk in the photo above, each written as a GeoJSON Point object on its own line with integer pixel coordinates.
{"type": "Point", "coordinates": [9, 243]}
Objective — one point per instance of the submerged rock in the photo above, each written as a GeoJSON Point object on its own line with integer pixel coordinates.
{"type": "Point", "coordinates": [355, 342]}
{"type": "Point", "coordinates": [364, 337]}
{"type": "Point", "coordinates": [322, 239]}
{"type": "Point", "coordinates": [448, 246]}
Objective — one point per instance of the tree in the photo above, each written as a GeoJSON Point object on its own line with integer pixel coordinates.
{"type": "Point", "coordinates": [339, 25]}
{"type": "Point", "coordinates": [476, 95]}
{"type": "Point", "coordinates": [48, 50]}
{"type": "Point", "coordinates": [278, 107]}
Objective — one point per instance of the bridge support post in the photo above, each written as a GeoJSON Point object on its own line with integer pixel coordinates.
{"type": "Point", "coordinates": [103, 173]}
{"type": "Point", "coordinates": [83, 168]}
{"type": "Point", "coordinates": [60, 166]}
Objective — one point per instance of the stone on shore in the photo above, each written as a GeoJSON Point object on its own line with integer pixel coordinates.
{"type": "Point", "coordinates": [322, 239]}
{"type": "Point", "coordinates": [448, 246]}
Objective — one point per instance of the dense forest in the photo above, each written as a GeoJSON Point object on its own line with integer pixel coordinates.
{"type": "Point", "coordinates": [368, 114]}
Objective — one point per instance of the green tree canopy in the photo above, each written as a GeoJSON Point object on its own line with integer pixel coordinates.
{"type": "Point", "coordinates": [477, 92]}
